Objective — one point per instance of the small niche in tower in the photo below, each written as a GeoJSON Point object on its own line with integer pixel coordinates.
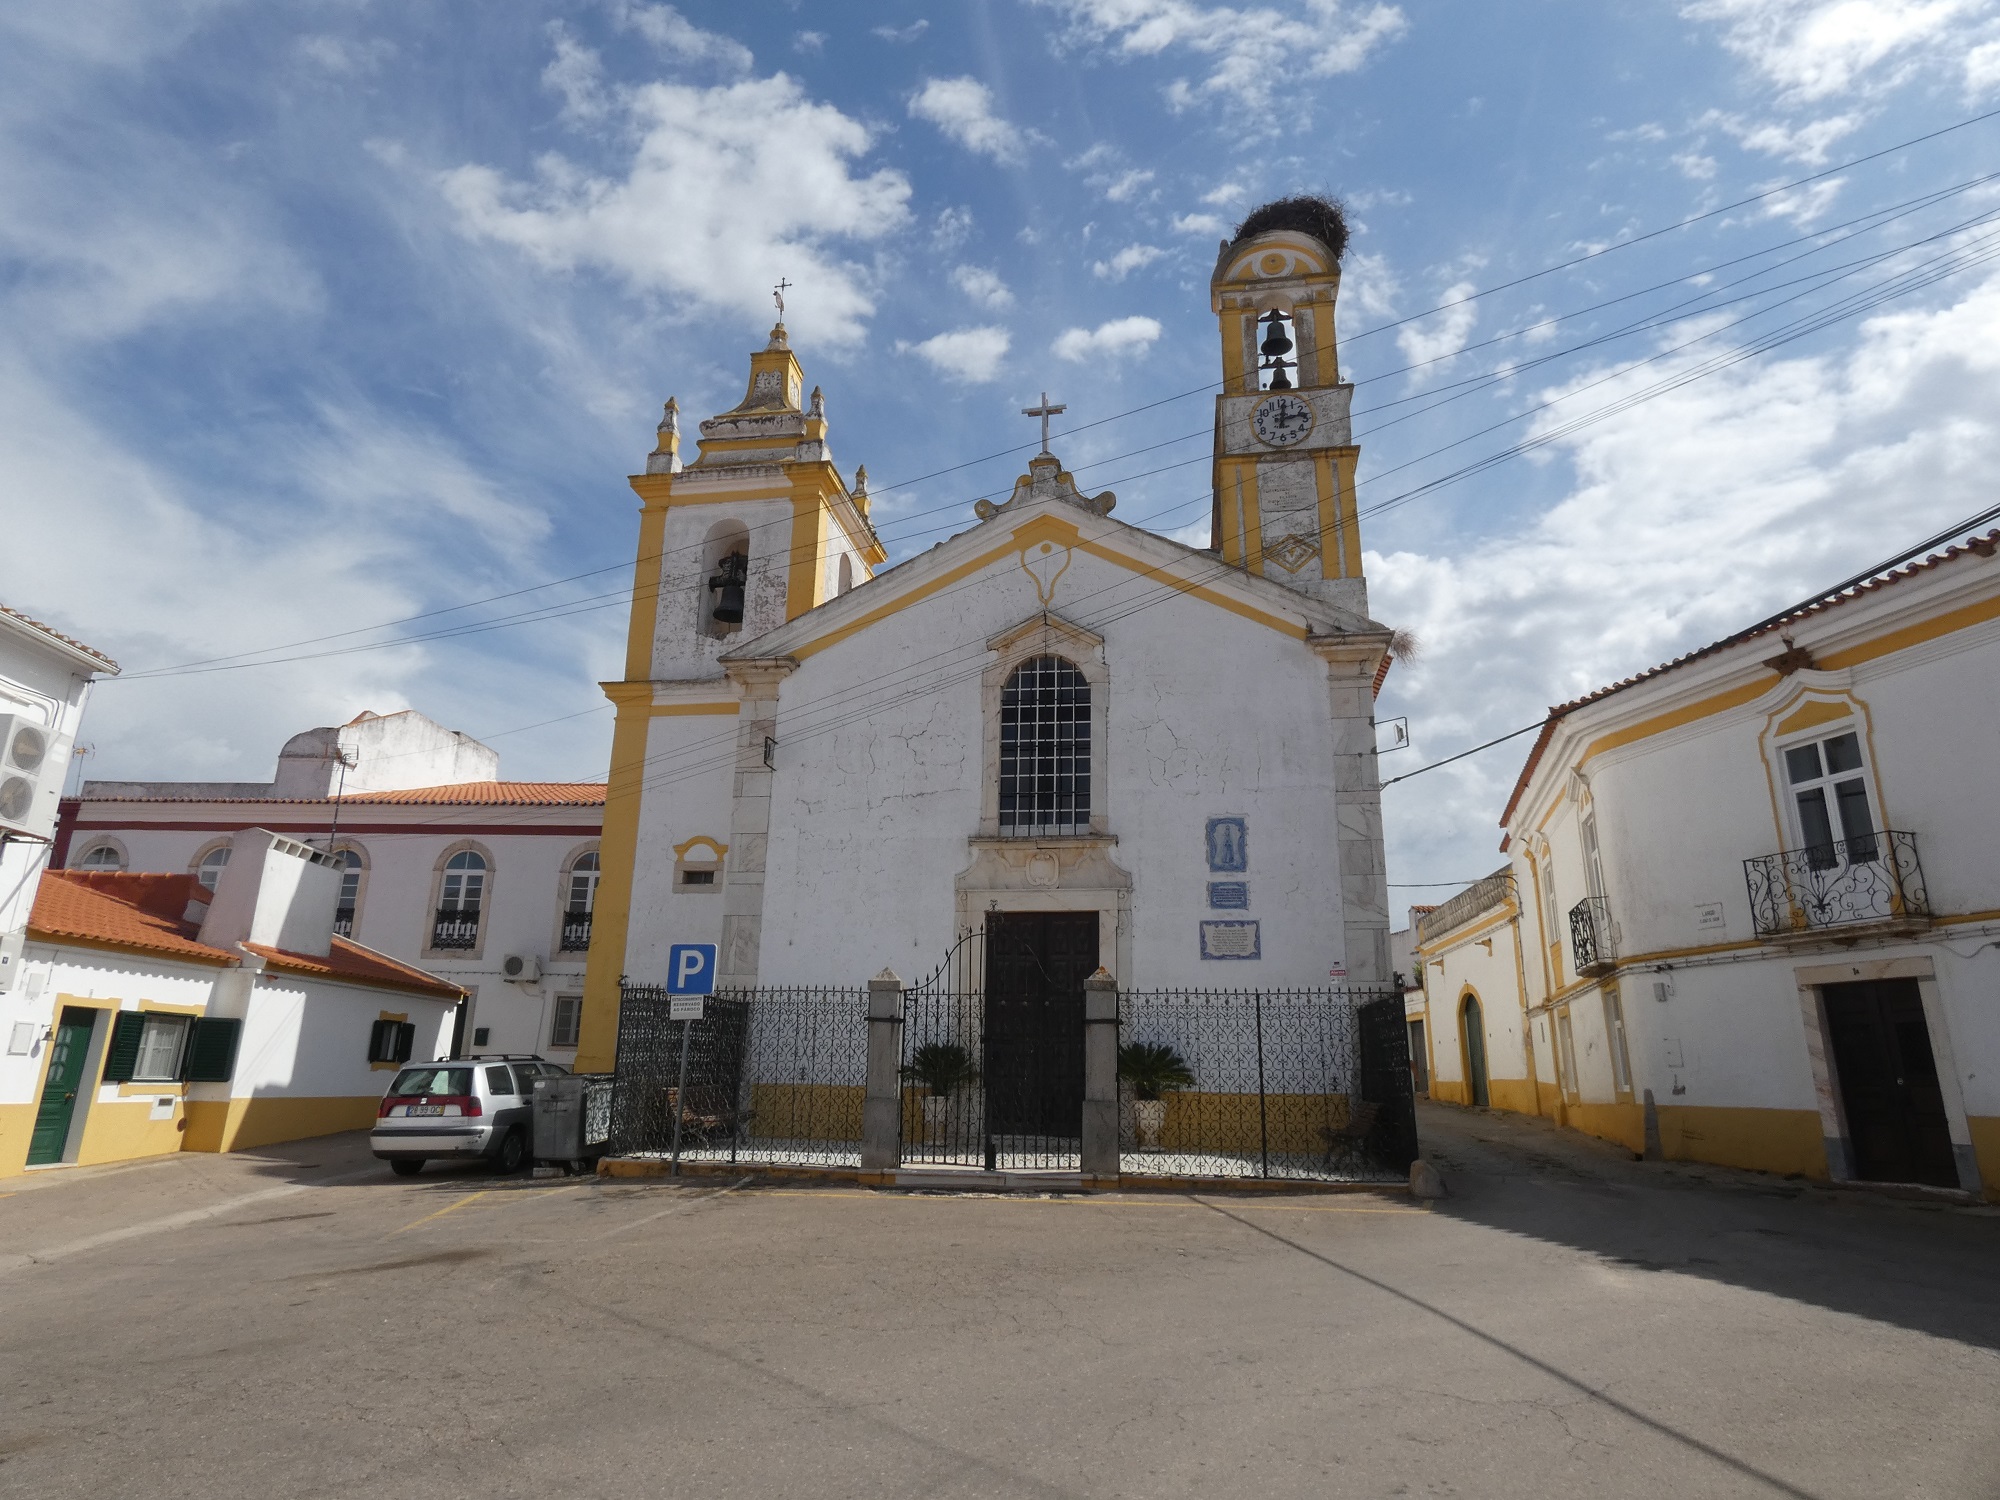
{"type": "Point", "coordinates": [1275, 348]}
{"type": "Point", "coordinates": [725, 579]}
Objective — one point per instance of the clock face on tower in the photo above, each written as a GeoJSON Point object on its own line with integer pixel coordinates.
{"type": "Point", "coordinates": [1282, 420]}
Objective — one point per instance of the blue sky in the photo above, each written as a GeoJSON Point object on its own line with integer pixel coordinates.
{"type": "Point", "coordinates": [323, 315]}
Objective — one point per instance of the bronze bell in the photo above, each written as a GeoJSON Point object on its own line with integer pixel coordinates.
{"type": "Point", "coordinates": [728, 585]}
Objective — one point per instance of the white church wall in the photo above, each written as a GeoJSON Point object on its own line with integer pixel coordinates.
{"type": "Point", "coordinates": [888, 800]}
{"type": "Point", "coordinates": [690, 771]}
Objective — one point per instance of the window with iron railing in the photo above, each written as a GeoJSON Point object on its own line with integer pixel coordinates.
{"type": "Point", "coordinates": [1838, 883]}
{"type": "Point", "coordinates": [460, 894]}
{"type": "Point", "coordinates": [1590, 935]}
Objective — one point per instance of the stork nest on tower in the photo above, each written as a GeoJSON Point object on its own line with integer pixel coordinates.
{"type": "Point", "coordinates": [1308, 213]}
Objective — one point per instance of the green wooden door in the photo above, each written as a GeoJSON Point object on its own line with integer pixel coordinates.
{"type": "Point", "coordinates": [59, 1088]}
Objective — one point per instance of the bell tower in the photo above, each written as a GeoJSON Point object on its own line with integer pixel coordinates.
{"type": "Point", "coordinates": [757, 529]}
{"type": "Point", "coordinates": [1284, 449]}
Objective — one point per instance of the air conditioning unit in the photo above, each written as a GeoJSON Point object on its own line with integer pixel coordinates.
{"type": "Point", "coordinates": [32, 757]}
{"type": "Point", "coordinates": [522, 968]}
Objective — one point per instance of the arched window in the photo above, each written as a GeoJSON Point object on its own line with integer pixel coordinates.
{"type": "Point", "coordinates": [1045, 749]}
{"type": "Point", "coordinates": [101, 857]}
{"type": "Point", "coordinates": [1274, 348]}
{"type": "Point", "coordinates": [846, 575]}
{"type": "Point", "coordinates": [460, 894]}
{"type": "Point", "coordinates": [725, 579]}
{"type": "Point", "coordinates": [209, 870]}
{"type": "Point", "coordinates": [579, 901]}
{"type": "Point", "coordinates": [350, 892]}
{"type": "Point", "coordinates": [583, 877]}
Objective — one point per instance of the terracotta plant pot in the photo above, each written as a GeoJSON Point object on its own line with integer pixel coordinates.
{"type": "Point", "coordinates": [1148, 1115]}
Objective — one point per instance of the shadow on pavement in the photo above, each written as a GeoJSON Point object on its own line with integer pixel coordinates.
{"type": "Point", "coordinates": [1925, 1267]}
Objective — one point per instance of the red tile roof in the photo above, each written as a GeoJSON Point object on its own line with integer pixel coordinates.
{"type": "Point", "coordinates": [519, 793]}
{"type": "Point", "coordinates": [71, 641]}
{"type": "Point", "coordinates": [357, 965]}
{"type": "Point", "coordinates": [129, 913]}
{"type": "Point", "coordinates": [1982, 546]}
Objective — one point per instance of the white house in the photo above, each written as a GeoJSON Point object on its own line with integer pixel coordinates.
{"type": "Point", "coordinates": [45, 680]}
{"type": "Point", "coordinates": [156, 1015]}
{"type": "Point", "coordinates": [1752, 913]}
{"type": "Point", "coordinates": [1106, 747]}
{"type": "Point", "coordinates": [490, 884]}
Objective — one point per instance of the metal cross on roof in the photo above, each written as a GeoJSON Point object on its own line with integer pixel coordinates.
{"type": "Point", "coordinates": [778, 292]}
{"type": "Point", "coordinates": [1044, 411]}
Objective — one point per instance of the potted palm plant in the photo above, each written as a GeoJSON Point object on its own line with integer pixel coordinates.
{"type": "Point", "coordinates": [945, 1069]}
{"type": "Point", "coordinates": [1154, 1070]}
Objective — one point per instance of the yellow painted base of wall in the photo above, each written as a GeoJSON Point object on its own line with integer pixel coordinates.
{"type": "Point", "coordinates": [806, 1111]}
{"type": "Point", "coordinates": [240, 1124]}
{"type": "Point", "coordinates": [1761, 1140]}
{"type": "Point", "coordinates": [127, 1131]}
{"type": "Point", "coordinates": [1622, 1124]}
{"type": "Point", "coordinates": [1517, 1094]}
{"type": "Point", "coordinates": [1986, 1146]}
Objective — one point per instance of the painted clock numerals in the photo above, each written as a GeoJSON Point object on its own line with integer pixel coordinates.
{"type": "Point", "coordinates": [1282, 420]}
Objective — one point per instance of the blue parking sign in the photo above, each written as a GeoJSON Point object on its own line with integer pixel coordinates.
{"type": "Point", "coordinates": [691, 969]}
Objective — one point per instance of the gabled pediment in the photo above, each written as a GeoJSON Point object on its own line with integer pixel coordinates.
{"type": "Point", "coordinates": [1048, 630]}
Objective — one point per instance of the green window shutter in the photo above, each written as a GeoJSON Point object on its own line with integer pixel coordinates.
{"type": "Point", "coordinates": [122, 1055]}
{"type": "Point", "coordinates": [406, 1040]}
{"type": "Point", "coordinates": [211, 1050]}
{"type": "Point", "coordinates": [382, 1042]}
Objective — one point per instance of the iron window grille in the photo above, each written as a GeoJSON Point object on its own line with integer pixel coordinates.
{"type": "Point", "coordinates": [1045, 749]}
{"type": "Point", "coordinates": [343, 922]}
{"type": "Point", "coordinates": [1837, 883]}
{"type": "Point", "coordinates": [457, 927]}
{"type": "Point", "coordinates": [575, 932]}
{"type": "Point", "coordinates": [1590, 934]}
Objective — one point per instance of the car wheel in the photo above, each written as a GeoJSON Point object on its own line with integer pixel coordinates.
{"type": "Point", "coordinates": [407, 1166]}
{"type": "Point", "coordinates": [513, 1151]}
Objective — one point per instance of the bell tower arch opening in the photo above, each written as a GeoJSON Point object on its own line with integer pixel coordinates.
{"type": "Point", "coordinates": [725, 572]}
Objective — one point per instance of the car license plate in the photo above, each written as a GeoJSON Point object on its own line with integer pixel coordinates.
{"type": "Point", "coordinates": [426, 1109]}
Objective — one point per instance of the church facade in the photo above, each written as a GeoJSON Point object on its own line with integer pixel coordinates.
{"type": "Point", "coordinates": [1148, 757]}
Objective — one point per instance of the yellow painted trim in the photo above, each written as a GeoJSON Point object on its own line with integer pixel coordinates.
{"type": "Point", "coordinates": [672, 710]}
{"type": "Point", "coordinates": [1811, 713]}
{"type": "Point", "coordinates": [241, 1124]}
{"type": "Point", "coordinates": [1235, 366]}
{"type": "Point", "coordinates": [1228, 487]}
{"type": "Point", "coordinates": [141, 1089]}
{"type": "Point", "coordinates": [721, 849]}
{"type": "Point", "coordinates": [1328, 367]}
{"type": "Point", "coordinates": [1347, 460]}
{"type": "Point", "coordinates": [1985, 1132]}
{"type": "Point", "coordinates": [1913, 635]}
{"type": "Point", "coordinates": [1971, 916]}
{"type": "Point", "coordinates": [1046, 528]}
{"type": "Point", "coordinates": [163, 1007]}
{"type": "Point", "coordinates": [1332, 557]}
{"type": "Point", "coordinates": [1500, 916]}
{"type": "Point", "coordinates": [618, 852]}
{"type": "Point", "coordinates": [1690, 713]}
{"type": "Point", "coordinates": [1253, 522]}
{"type": "Point", "coordinates": [646, 570]}
{"type": "Point", "coordinates": [806, 561]}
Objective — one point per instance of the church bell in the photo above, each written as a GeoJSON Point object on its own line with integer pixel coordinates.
{"type": "Point", "coordinates": [728, 586]}
{"type": "Point", "coordinates": [1277, 344]}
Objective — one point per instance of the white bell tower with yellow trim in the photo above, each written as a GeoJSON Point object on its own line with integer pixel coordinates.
{"type": "Point", "coordinates": [1284, 449]}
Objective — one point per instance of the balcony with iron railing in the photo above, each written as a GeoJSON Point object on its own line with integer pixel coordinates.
{"type": "Point", "coordinates": [1844, 886]}
{"type": "Point", "coordinates": [456, 929]}
{"type": "Point", "coordinates": [1590, 939]}
{"type": "Point", "coordinates": [343, 922]}
{"type": "Point", "coordinates": [575, 932]}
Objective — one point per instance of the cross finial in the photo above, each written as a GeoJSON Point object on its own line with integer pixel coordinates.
{"type": "Point", "coordinates": [1044, 411]}
{"type": "Point", "coordinates": [778, 293]}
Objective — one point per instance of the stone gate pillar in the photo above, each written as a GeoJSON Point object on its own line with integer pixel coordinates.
{"type": "Point", "coordinates": [1100, 1078]}
{"type": "Point", "coordinates": [882, 1109]}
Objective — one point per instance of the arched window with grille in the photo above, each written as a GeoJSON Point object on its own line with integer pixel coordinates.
{"type": "Point", "coordinates": [461, 893]}
{"type": "Point", "coordinates": [100, 857]}
{"type": "Point", "coordinates": [1045, 749]}
{"type": "Point", "coordinates": [208, 869]}
{"type": "Point", "coordinates": [579, 901]}
{"type": "Point", "coordinates": [351, 867]}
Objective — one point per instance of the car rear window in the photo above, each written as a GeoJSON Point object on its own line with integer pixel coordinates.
{"type": "Point", "coordinates": [499, 1081]}
{"type": "Point", "coordinates": [412, 1081]}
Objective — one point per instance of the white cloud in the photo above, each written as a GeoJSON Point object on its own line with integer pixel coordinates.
{"type": "Point", "coordinates": [1982, 70]}
{"type": "Point", "coordinates": [963, 109]}
{"type": "Point", "coordinates": [343, 57]}
{"type": "Point", "coordinates": [577, 73]}
{"type": "Point", "coordinates": [907, 33]}
{"type": "Point", "coordinates": [809, 41]}
{"type": "Point", "coordinates": [1368, 285]}
{"type": "Point", "coordinates": [1207, 225]}
{"type": "Point", "coordinates": [951, 229]}
{"type": "Point", "coordinates": [1122, 187]}
{"type": "Point", "coordinates": [1696, 166]}
{"type": "Point", "coordinates": [1807, 143]}
{"type": "Point", "coordinates": [1814, 49]}
{"type": "Point", "coordinates": [1125, 262]}
{"type": "Point", "coordinates": [1442, 334]}
{"type": "Point", "coordinates": [1803, 205]}
{"type": "Point", "coordinates": [728, 189]}
{"type": "Point", "coordinates": [1248, 51]}
{"type": "Point", "coordinates": [1226, 194]}
{"type": "Point", "coordinates": [970, 356]}
{"type": "Point", "coordinates": [1121, 336]}
{"type": "Point", "coordinates": [672, 33]}
{"type": "Point", "coordinates": [1687, 518]}
{"type": "Point", "coordinates": [982, 286]}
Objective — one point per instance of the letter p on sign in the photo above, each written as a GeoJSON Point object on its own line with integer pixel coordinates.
{"type": "Point", "coordinates": [691, 969]}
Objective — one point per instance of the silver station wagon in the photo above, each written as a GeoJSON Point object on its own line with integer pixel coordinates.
{"type": "Point", "coordinates": [457, 1108]}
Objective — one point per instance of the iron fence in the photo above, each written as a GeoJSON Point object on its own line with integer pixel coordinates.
{"type": "Point", "coordinates": [769, 1075]}
{"type": "Point", "coordinates": [992, 1083]}
{"type": "Point", "coordinates": [1590, 934]}
{"type": "Point", "coordinates": [1876, 878]}
{"type": "Point", "coordinates": [1284, 1083]}
{"type": "Point", "coordinates": [456, 927]}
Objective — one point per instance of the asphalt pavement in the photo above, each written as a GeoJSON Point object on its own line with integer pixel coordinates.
{"type": "Point", "coordinates": [297, 1322]}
